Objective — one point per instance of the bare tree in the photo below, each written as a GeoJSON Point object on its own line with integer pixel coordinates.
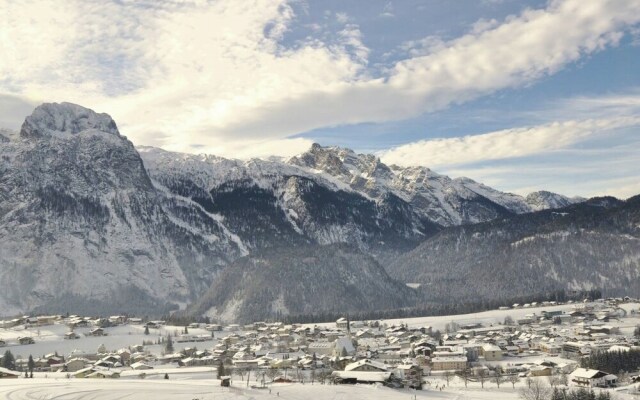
{"type": "Point", "coordinates": [323, 375]}
{"type": "Point", "coordinates": [553, 380]}
{"type": "Point", "coordinates": [513, 379]}
{"type": "Point", "coordinates": [508, 320]}
{"type": "Point", "coordinates": [448, 375]}
{"type": "Point", "coordinates": [482, 376]}
{"type": "Point", "coordinates": [563, 378]}
{"type": "Point", "coordinates": [239, 372]}
{"type": "Point", "coordinates": [466, 376]}
{"type": "Point", "coordinates": [498, 377]}
{"type": "Point", "coordinates": [451, 327]}
{"type": "Point", "coordinates": [536, 391]}
{"type": "Point", "coordinates": [272, 373]}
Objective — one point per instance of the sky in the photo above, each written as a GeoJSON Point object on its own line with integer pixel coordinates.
{"type": "Point", "coordinates": [519, 95]}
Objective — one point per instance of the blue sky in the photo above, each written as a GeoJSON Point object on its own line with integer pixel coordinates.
{"type": "Point", "coordinates": [520, 95]}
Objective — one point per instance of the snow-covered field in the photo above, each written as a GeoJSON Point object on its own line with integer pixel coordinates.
{"type": "Point", "coordinates": [49, 339]}
{"type": "Point", "coordinates": [486, 317]}
{"type": "Point", "coordinates": [189, 387]}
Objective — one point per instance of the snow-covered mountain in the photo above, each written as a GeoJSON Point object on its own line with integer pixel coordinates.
{"type": "Point", "coordinates": [82, 223]}
{"type": "Point", "coordinates": [90, 223]}
{"type": "Point", "coordinates": [436, 197]}
{"type": "Point", "coordinates": [268, 203]}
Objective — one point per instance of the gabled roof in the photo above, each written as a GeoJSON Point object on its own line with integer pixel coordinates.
{"type": "Point", "coordinates": [585, 373]}
{"type": "Point", "coordinates": [357, 364]}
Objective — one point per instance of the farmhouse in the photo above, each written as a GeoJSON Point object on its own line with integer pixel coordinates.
{"type": "Point", "coordinates": [8, 374]}
{"type": "Point", "coordinates": [593, 378]}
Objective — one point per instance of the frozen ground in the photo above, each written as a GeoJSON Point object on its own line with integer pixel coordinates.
{"type": "Point", "coordinates": [63, 389]}
{"type": "Point", "coordinates": [50, 339]}
{"type": "Point", "coordinates": [183, 387]}
{"type": "Point", "coordinates": [485, 317]}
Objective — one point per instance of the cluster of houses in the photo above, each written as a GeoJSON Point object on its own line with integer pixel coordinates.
{"type": "Point", "coordinates": [370, 352]}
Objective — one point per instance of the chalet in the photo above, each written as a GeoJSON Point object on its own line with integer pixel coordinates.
{"type": "Point", "coordinates": [593, 378]}
{"type": "Point", "coordinates": [354, 377]}
{"type": "Point", "coordinates": [83, 373]}
{"type": "Point", "coordinates": [213, 327]}
{"type": "Point", "coordinates": [366, 365]}
{"type": "Point", "coordinates": [139, 366]}
{"type": "Point", "coordinates": [411, 375]}
{"type": "Point", "coordinates": [76, 364]}
{"type": "Point", "coordinates": [342, 323]}
{"type": "Point", "coordinates": [104, 374]}
{"type": "Point", "coordinates": [44, 320]}
{"type": "Point", "coordinates": [10, 323]}
{"type": "Point", "coordinates": [117, 319]}
{"type": "Point", "coordinates": [8, 374]}
{"type": "Point", "coordinates": [97, 332]}
{"type": "Point", "coordinates": [540, 370]}
{"type": "Point", "coordinates": [26, 340]}
{"type": "Point", "coordinates": [71, 335]}
{"type": "Point", "coordinates": [155, 324]}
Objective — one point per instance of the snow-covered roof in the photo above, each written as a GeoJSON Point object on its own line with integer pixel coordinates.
{"type": "Point", "coordinates": [357, 364]}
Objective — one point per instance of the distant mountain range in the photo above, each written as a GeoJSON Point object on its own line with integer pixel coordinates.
{"type": "Point", "coordinates": [89, 222]}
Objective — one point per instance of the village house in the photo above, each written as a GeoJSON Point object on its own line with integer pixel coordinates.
{"type": "Point", "coordinates": [23, 340]}
{"type": "Point", "coordinates": [8, 374]}
{"type": "Point", "coordinates": [366, 365]}
{"type": "Point", "coordinates": [491, 352]}
{"type": "Point", "coordinates": [593, 378]}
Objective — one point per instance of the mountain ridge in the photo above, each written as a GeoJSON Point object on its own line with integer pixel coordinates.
{"type": "Point", "coordinates": [85, 217]}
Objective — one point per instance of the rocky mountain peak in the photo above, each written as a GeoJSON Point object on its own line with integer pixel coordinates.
{"type": "Point", "coordinates": [543, 199]}
{"type": "Point", "coordinates": [65, 118]}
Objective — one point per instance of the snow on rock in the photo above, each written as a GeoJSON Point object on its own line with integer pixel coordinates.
{"type": "Point", "coordinates": [59, 118]}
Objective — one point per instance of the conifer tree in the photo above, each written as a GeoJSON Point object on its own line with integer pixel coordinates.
{"type": "Point", "coordinates": [168, 347]}
{"type": "Point", "coordinates": [31, 365]}
{"type": "Point", "coordinates": [8, 361]}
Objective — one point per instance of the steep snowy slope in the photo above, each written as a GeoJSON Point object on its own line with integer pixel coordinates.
{"type": "Point", "coordinates": [87, 222]}
{"type": "Point", "coordinates": [437, 197]}
{"type": "Point", "coordinates": [271, 204]}
{"type": "Point", "coordinates": [80, 221]}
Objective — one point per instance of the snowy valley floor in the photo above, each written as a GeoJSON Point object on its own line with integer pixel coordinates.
{"type": "Point", "coordinates": [205, 389]}
{"type": "Point", "coordinates": [189, 386]}
{"type": "Point", "coordinates": [198, 383]}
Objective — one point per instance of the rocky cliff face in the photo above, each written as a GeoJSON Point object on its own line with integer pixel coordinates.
{"type": "Point", "coordinates": [80, 219]}
{"type": "Point", "coordinates": [436, 197]}
{"type": "Point", "coordinates": [271, 204]}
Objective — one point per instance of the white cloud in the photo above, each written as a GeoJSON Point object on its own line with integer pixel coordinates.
{"type": "Point", "coordinates": [215, 74]}
{"type": "Point", "coordinates": [342, 17]}
{"type": "Point", "coordinates": [508, 143]}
